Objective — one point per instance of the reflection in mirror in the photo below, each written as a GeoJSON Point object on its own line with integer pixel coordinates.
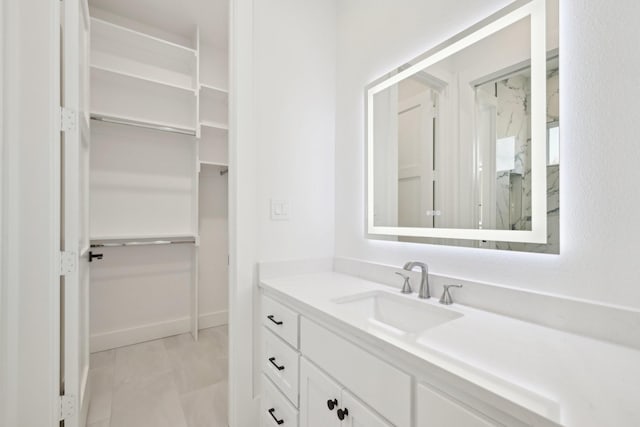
{"type": "Point", "coordinates": [452, 143]}
{"type": "Point", "coordinates": [504, 102]}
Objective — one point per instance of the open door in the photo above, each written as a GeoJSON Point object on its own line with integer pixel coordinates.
{"type": "Point", "coordinates": [74, 296]}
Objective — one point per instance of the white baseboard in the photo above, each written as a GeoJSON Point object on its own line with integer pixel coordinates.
{"type": "Point", "coordinates": [213, 319]}
{"type": "Point", "coordinates": [138, 334]}
{"type": "Point", "coordinates": [154, 331]}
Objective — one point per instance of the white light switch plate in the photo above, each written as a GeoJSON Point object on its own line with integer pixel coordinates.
{"type": "Point", "coordinates": [280, 210]}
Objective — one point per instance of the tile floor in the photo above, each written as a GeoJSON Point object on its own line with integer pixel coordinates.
{"type": "Point", "coordinates": [172, 382]}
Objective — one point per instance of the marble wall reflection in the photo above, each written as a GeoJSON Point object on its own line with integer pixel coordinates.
{"type": "Point", "coordinates": [553, 219]}
{"type": "Point", "coordinates": [512, 117]}
{"type": "Point", "coordinates": [514, 187]}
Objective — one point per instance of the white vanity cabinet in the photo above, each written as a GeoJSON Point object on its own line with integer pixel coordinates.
{"type": "Point", "coordinates": [279, 363]}
{"type": "Point", "coordinates": [320, 397]}
{"type": "Point", "coordinates": [324, 403]}
{"type": "Point", "coordinates": [360, 415]}
{"type": "Point", "coordinates": [435, 409]}
{"type": "Point", "coordinates": [375, 382]}
{"type": "Point", "coordinates": [292, 382]}
{"type": "Point", "coordinates": [316, 376]}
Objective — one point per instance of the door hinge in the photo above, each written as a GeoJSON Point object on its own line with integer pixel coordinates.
{"type": "Point", "coordinates": [67, 262]}
{"type": "Point", "coordinates": [68, 119]}
{"type": "Point", "coordinates": [67, 407]}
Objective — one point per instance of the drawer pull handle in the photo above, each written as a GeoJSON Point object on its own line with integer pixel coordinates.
{"type": "Point", "coordinates": [273, 362]}
{"type": "Point", "coordinates": [277, 322]}
{"type": "Point", "coordinates": [331, 404]}
{"type": "Point", "coordinates": [342, 413]}
{"type": "Point", "coordinates": [271, 411]}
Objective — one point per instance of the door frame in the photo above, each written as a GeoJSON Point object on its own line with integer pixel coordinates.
{"type": "Point", "coordinates": [74, 200]}
{"type": "Point", "coordinates": [31, 291]}
{"type": "Point", "coordinates": [243, 342]}
{"type": "Point", "coordinates": [30, 339]}
{"type": "Point", "coordinates": [4, 307]}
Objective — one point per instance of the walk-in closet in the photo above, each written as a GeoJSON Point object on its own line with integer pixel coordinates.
{"type": "Point", "coordinates": [158, 212]}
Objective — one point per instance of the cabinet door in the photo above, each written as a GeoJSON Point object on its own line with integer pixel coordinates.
{"type": "Point", "coordinates": [359, 415]}
{"type": "Point", "coordinates": [438, 410]}
{"type": "Point", "coordinates": [316, 391]}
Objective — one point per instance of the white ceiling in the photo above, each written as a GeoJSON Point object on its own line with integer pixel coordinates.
{"type": "Point", "coordinates": [176, 16]}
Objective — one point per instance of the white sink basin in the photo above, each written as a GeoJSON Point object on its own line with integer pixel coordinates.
{"type": "Point", "coordinates": [396, 313]}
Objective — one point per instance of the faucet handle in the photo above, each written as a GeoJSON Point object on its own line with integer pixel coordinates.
{"type": "Point", "coordinates": [446, 295]}
{"type": "Point", "coordinates": [406, 288]}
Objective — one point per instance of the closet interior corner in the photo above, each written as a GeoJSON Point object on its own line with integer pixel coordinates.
{"type": "Point", "coordinates": [158, 169]}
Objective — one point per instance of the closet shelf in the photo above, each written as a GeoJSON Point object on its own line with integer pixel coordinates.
{"type": "Point", "coordinates": [123, 35]}
{"type": "Point", "coordinates": [213, 124]}
{"type": "Point", "coordinates": [128, 121]}
{"type": "Point", "coordinates": [208, 163]}
{"type": "Point", "coordinates": [105, 242]}
{"type": "Point", "coordinates": [141, 78]}
{"type": "Point", "coordinates": [213, 88]}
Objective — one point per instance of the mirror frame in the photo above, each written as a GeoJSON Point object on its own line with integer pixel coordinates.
{"type": "Point", "coordinates": [536, 10]}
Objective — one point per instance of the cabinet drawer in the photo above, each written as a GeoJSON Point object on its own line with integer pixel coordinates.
{"type": "Point", "coordinates": [275, 407]}
{"type": "Point", "coordinates": [376, 383]}
{"type": "Point", "coordinates": [281, 364]}
{"type": "Point", "coordinates": [281, 320]}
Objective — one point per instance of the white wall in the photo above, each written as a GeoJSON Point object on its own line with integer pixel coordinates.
{"type": "Point", "coordinates": [282, 108]}
{"type": "Point", "coordinates": [599, 198]}
{"type": "Point", "coordinates": [294, 69]}
{"type": "Point", "coordinates": [294, 110]}
{"type": "Point", "coordinates": [141, 184]}
{"type": "Point", "coordinates": [213, 282]}
{"type": "Point", "coordinates": [139, 294]}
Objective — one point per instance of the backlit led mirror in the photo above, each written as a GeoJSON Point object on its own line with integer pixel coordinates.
{"type": "Point", "coordinates": [463, 142]}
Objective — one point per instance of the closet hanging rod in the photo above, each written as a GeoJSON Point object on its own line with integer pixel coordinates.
{"type": "Point", "coordinates": [113, 243]}
{"type": "Point", "coordinates": [145, 125]}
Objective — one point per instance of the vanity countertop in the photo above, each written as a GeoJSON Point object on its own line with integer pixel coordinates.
{"type": "Point", "coordinates": [569, 379]}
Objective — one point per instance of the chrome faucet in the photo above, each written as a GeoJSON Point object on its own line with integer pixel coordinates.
{"type": "Point", "coordinates": [406, 288]}
{"type": "Point", "coordinates": [446, 295]}
{"type": "Point", "coordinates": [424, 282]}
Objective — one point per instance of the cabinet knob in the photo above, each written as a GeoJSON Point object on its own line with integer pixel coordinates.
{"type": "Point", "coordinates": [342, 413]}
{"type": "Point", "coordinates": [331, 404]}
